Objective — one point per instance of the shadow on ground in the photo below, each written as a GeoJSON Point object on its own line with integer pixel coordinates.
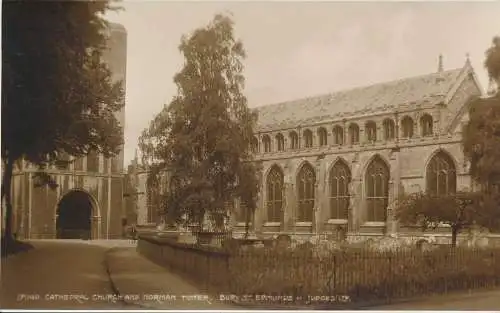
{"type": "Point", "coordinates": [13, 246]}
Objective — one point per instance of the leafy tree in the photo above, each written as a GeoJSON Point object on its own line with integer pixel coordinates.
{"type": "Point", "coordinates": [461, 211]}
{"type": "Point", "coordinates": [481, 136]}
{"type": "Point", "coordinates": [481, 141]}
{"type": "Point", "coordinates": [492, 62]}
{"type": "Point", "coordinates": [58, 97]}
{"type": "Point", "coordinates": [203, 138]}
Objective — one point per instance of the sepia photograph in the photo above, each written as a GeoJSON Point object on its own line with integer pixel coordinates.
{"type": "Point", "coordinates": [250, 155]}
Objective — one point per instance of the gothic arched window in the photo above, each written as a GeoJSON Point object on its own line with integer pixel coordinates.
{"type": "Point", "coordinates": [274, 194]}
{"type": "Point", "coordinates": [426, 124]}
{"type": "Point", "coordinates": [377, 190]}
{"type": "Point", "coordinates": [371, 131]}
{"type": "Point", "coordinates": [306, 180]}
{"type": "Point", "coordinates": [389, 130]}
{"type": "Point", "coordinates": [323, 138]}
{"type": "Point", "coordinates": [280, 142]}
{"type": "Point", "coordinates": [308, 138]}
{"type": "Point", "coordinates": [407, 127]}
{"type": "Point", "coordinates": [255, 145]}
{"type": "Point", "coordinates": [266, 141]}
{"type": "Point", "coordinates": [338, 135]}
{"type": "Point", "coordinates": [340, 178]}
{"type": "Point", "coordinates": [294, 140]}
{"type": "Point", "coordinates": [353, 134]}
{"type": "Point", "coordinates": [441, 175]}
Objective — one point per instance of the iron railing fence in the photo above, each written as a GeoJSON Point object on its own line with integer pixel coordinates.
{"type": "Point", "coordinates": [361, 275]}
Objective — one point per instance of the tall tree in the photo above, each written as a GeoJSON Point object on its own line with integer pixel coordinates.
{"type": "Point", "coordinates": [58, 97]}
{"type": "Point", "coordinates": [481, 139]}
{"type": "Point", "coordinates": [203, 138]}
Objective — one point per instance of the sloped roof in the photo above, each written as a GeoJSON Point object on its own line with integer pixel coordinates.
{"type": "Point", "coordinates": [377, 98]}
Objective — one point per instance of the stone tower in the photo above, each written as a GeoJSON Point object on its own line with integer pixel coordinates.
{"type": "Point", "coordinates": [116, 57]}
{"type": "Point", "coordinates": [88, 202]}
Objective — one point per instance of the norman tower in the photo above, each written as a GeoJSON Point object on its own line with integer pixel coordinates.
{"type": "Point", "coordinates": [88, 203]}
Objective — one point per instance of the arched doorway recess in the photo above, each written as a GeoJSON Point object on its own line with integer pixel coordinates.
{"type": "Point", "coordinates": [74, 216]}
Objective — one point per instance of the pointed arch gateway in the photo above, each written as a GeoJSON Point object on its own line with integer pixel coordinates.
{"type": "Point", "coordinates": [377, 190]}
{"type": "Point", "coordinates": [274, 185]}
{"type": "Point", "coordinates": [339, 179]}
{"type": "Point", "coordinates": [306, 180]}
{"type": "Point", "coordinates": [74, 216]}
{"type": "Point", "coordinates": [441, 175]}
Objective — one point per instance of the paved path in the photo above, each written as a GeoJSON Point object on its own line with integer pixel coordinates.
{"type": "Point", "coordinates": [152, 286]}
{"type": "Point", "coordinates": [109, 243]}
{"type": "Point", "coordinates": [64, 274]}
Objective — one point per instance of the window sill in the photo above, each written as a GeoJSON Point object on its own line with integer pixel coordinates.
{"type": "Point", "coordinates": [272, 224]}
{"type": "Point", "coordinates": [240, 224]}
{"type": "Point", "coordinates": [337, 221]}
{"type": "Point", "coordinates": [374, 224]}
{"type": "Point", "coordinates": [303, 224]}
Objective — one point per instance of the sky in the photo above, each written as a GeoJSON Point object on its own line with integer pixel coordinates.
{"type": "Point", "coordinates": [301, 49]}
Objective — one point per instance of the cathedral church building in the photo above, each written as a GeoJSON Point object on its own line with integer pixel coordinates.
{"type": "Point", "coordinates": [338, 162]}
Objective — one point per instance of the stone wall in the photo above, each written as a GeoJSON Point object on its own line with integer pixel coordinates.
{"type": "Point", "coordinates": [407, 164]}
{"type": "Point", "coordinates": [35, 208]}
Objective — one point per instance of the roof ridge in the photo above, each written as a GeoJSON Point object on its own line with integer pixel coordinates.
{"type": "Point", "coordinates": [360, 87]}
